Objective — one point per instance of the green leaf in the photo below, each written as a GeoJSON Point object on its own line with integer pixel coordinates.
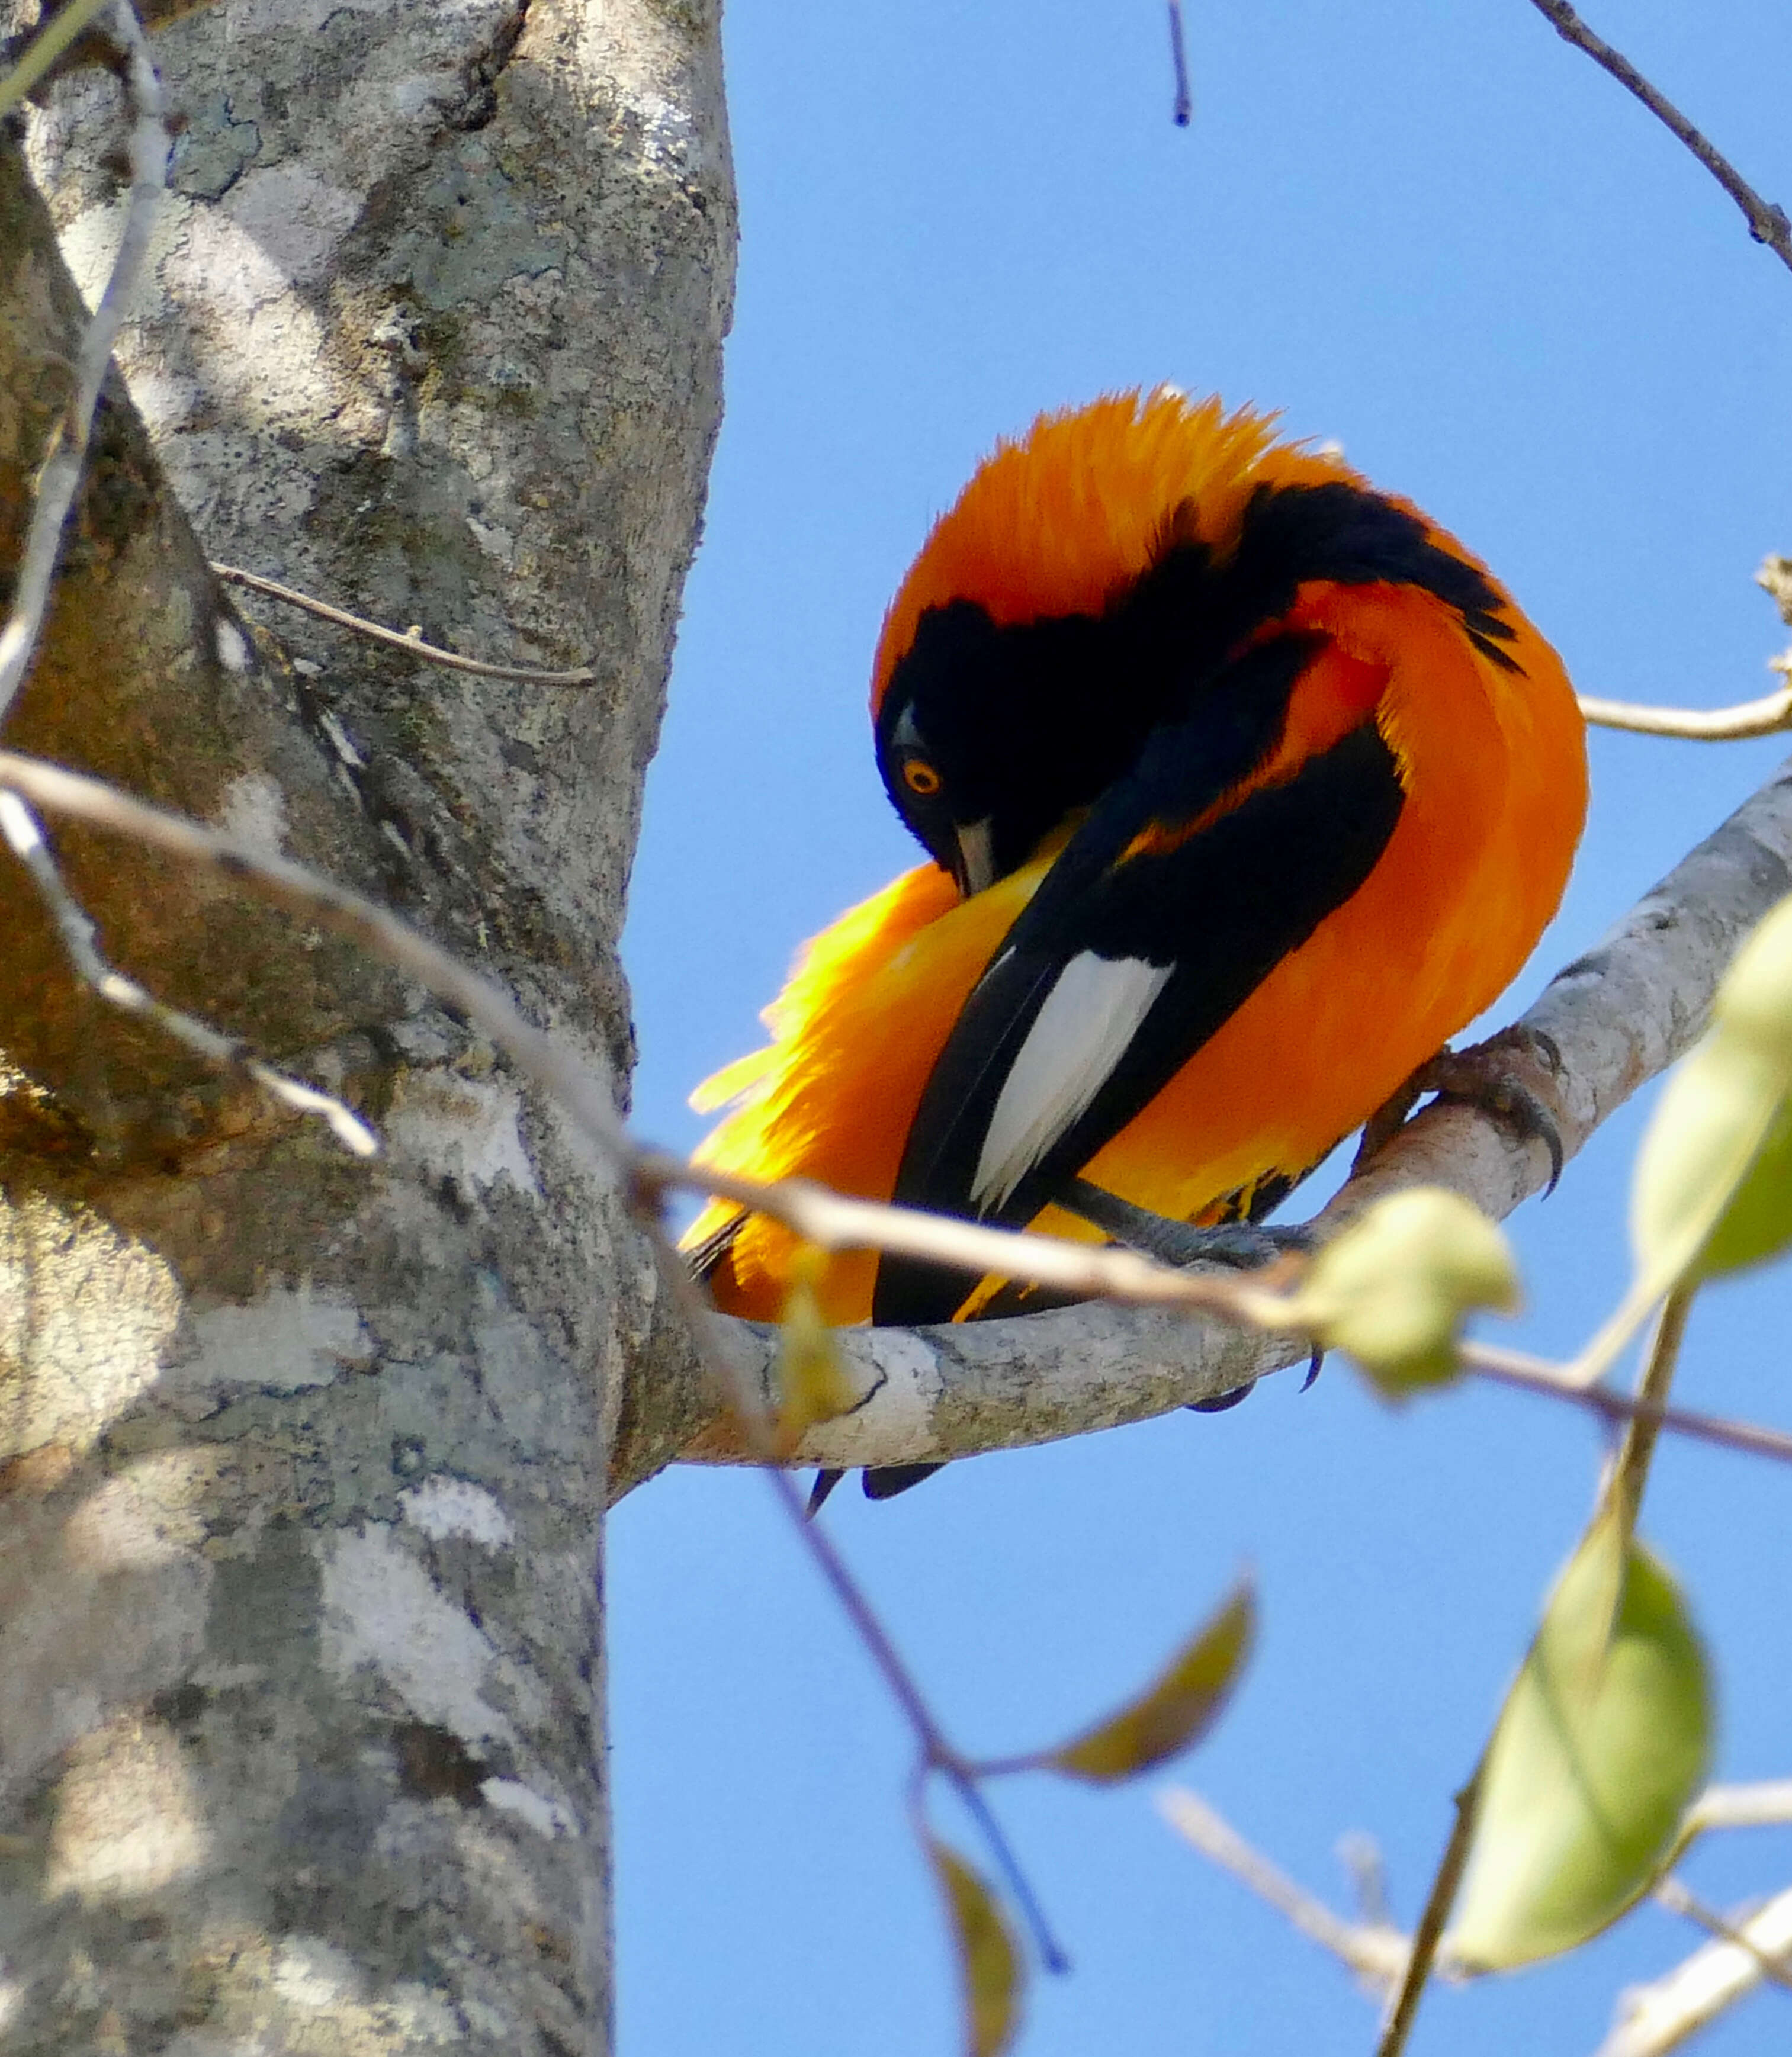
{"type": "Point", "coordinates": [1604, 1739]}
{"type": "Point", "coordinates": [1176, 1710]}
{"type": "Point", "coordinates": [989, 1964]}
{"type": "Point", "coordinates": [1393, 1289]}
{"type": "Point", "coordinates": [1712, 1191]}
{"type": "Point", "coordinates": [1754, 1001]}
{"type": "Point", "coordinates": [1711, 1121]}
{"type": "Point", "coordinates": [1758, 1223]}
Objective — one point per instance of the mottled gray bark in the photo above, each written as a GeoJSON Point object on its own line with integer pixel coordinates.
{"type": "Point", "coordinates": [300, 1686]}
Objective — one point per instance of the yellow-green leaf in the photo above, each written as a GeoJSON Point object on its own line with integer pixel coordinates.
{"type": "Point", "coordinates": [1394, 1288]}
{"type": "Point", "coordinates": [814, 1384]}
{"type": "Point", "coordinates": [1754, 1000]}
{"type": "Point", "coordinates": [1711, 1192]}
{"type": "Point", "coordinates": [1711, 1121]}
{"type": "Point", "coordinates": [1604, 1739]}
{"type": "Point", "coordinates": [1176, 1710]}
{"type": "Point", "coordinates": [989, 1964]}
{"type": "Point", "coordinates": [1758, 1223]}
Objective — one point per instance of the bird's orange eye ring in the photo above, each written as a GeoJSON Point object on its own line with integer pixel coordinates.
{"type": "Point", "coordinates": [920, 777]}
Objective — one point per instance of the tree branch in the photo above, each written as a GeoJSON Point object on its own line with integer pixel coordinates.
{"type": "Point", "coordinates": [19, 829]}
{"type": "Point", "coordinates": [1767, 222]}
{"type": "Point", "coordinates": [1606, 1025]}
{"type": "Point", "coordinates": [412, 645]}
{"type": "Point", "coordinates": [1766, 716]}
{"type": "Point", "coordinates": [1660, 2016]}
{"type": "Point", "coordinates": [1376, 1953]}
{"type": "Point", "coordinates": [1765, 1804]}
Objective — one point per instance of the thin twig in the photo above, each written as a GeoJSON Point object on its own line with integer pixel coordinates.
{"type": "Point", "coordinates": [1183, 106]}
{"type": "Point", "coordinates": [1767, 224]}
{"type": "Point", "coordinates": [1764, 1804]}
{"type": "Point", "coordinates": [1361, 1855]}
{"type": "Point", "coordinates": [80, 941]}
{"type": "Point", "coordinates": [585, 1098]}
{"type": "Point", "coordinates": [936, 1753]}
{"type": "Point", "coordinates": [53, 37]}
{"type": "Point", "coordinates": [412, 645]}
{"type": "Point", "coordinates": [1766, 716]}
{"type": "Point", "coordinates": [60, 476]}
{"type": "Point", "coordinates": [822, 1217]}
{"type": "Point", "coordinates": [1657, 2018]}
{"type": "Point", "coordinates": [1375, 1953]}
{"type": "Point", "coordinates": [1051, 1954]}
{"type": "Point", "coordinates": [1531, 1374]}
{"type": "Point", "coordinates": [1438, 1902]}
{"type": "Point", "coordinates": [1679, 1899]}
{"type": "Point", "coordinates": [834, 1221]}
{"type": "Point", "coordinates": [1629, 1473]}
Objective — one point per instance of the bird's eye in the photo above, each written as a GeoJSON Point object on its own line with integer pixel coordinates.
{"type": "Point", "coordinates": [920, 777]}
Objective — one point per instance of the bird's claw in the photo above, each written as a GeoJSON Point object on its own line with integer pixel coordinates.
{"type": "Point", "coordinates": [1512, 1076]}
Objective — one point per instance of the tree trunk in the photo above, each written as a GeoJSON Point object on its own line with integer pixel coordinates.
{"type": "Point", "coordinates": [302, 1460]}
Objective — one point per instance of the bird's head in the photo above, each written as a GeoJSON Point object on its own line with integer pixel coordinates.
{"type": "Point", "coordinates": [1052, 615]}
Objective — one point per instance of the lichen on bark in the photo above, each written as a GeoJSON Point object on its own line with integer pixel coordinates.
{"type": "Point", "coordinates": [302, 1461]}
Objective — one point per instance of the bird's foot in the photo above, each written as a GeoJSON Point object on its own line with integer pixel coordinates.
{"type": "Point", "coordinates": [1512, 1076]}
{"type": "Point", "coordinates": [1244, 1245]}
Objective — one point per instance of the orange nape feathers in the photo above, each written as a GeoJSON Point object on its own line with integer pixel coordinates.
{"type": "Point", "coordinates": [1485, 740]}
{"type": "Point", "coordinates": [1060, 521]}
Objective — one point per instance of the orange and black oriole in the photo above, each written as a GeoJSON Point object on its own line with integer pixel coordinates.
{"type": "Point", "coordinates": [1244, 788]}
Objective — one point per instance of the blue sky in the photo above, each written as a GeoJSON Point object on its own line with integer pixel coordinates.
{"type": "Point", "coordinates": [1440, 235]}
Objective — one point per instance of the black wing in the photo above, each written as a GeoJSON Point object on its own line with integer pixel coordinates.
{"type": "Point", "coordinates": [1171, 941]}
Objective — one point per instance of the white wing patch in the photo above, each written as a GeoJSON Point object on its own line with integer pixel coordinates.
{"type": "Point", "coordinates": [1090, 1016]}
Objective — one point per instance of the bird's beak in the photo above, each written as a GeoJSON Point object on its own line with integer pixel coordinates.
{"type": "Point", "coordinates": [975, 868]}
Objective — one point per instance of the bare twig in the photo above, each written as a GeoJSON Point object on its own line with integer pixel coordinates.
{"type": "Point", "coordinates": [80, 940]}
{"type": "Point", "coordinates": [1766, 1804]}
{"type": "Point", "coordinates": [51, 39]}
{"type": "Point", "coordinates": [1766, 716]}
{"type": "Point", "coordinates": [824, 1217]}
{"type": "Point", "coordinates": [1361, 1855]}
{"type": "Point", "coordinates": [552, 1067]}
{"type": "Point", "coordinates": [1679, 1898]}
{"type": "Point", "coordinates": [1775, 578]}
{"type": "Point", "coordinates": [834, 1221]}
{"type": "Point", "coordinates": [1376, 1952]}
{"type": "Point", "coordinates": [1629, 1473]}
{"type": "Point", "coordinates": [1654, 2020]}
{"type": "Point", "coordinates": [1657, 2018]}
{"type": "Point", "coordinates": [1531, 1374]}
{"type": "Point", "coordinates": [1767, 224]}
{"type": "Point", "coordinates": [61, 474]}
{"type": "Point", "coordinates": [1183, 106]}
{"type": "Point", "coordinates": [1438, 1902]}
{"type": "Point", "coordinates": [412, 645]}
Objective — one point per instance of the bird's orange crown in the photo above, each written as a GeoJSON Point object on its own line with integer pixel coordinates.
{"type": "Point", "coordinates": [1057, 522]}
